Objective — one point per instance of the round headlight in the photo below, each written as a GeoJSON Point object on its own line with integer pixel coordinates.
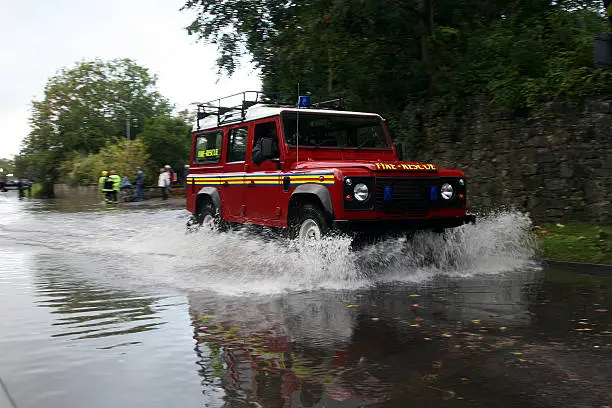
{"type": "Point", "coordinates": [361, 192]}
{"type": "Point", "coordinates": [446, 191]}
{"type": "Point", "coordinates": [348, 182]}
{"type": "Point", "coordinates": [461, 182]}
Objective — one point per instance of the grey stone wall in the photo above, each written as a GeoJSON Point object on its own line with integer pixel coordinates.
{"type": "Point", "coordinates": [556, 163]}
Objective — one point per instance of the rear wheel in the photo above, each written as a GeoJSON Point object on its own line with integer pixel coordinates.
{"type": "Point", "coordinates": [310, 224]}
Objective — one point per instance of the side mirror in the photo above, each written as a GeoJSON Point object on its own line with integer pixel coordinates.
{"type": "Point", "coordinates": [399, 150]}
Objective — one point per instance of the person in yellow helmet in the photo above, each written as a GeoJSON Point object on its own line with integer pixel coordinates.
{"type": "Point", "coordinates": [104, 188]}
{"type": "Point", "coordinates": [114, 177]}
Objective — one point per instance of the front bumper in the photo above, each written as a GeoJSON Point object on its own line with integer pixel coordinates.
{"type": "Point", "coordinates": [410, 224]}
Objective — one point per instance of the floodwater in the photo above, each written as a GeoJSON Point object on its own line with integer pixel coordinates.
{"type": "Point", "coordinates": [119, 307]}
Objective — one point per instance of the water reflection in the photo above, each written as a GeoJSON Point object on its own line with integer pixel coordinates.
{"type": "Point", "coordinates": [96, 302]}
{"type": "Point", "coordinates": [82, 310]}
{"type": "Point", "coordinates": [573, 308]}
{"type": "Point", "coordinates": [350, 348]}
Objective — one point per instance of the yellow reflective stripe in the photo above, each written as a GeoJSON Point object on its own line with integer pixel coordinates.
{"type": "Point", "coordinates": [327, 179]}
{"type": "Point", "coordinates": [219, 182]}
{"type": "Point", "coordinates": [311, 179]}
{"type": "Point", "coordinates": [311, 182]}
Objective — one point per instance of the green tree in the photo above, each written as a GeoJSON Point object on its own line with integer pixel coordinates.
{"type": "Point", "coordinates": [385, 55]}
{"type": "Point", "coordinates": [168, 141]}
{"type": "Point", "coordinates": [7, 166]}
{"type": "Point", "coordinates": [84, 108]}
{"type": "Point", "coordinates": [121, 156]}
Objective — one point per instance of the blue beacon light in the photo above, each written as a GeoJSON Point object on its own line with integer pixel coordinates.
{"type": "Point", "coordinates": [304, 101]}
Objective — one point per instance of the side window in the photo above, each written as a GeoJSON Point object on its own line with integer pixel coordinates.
{"type": "Point", "coordinates": [236, 144]}
{"type": "Point", "coordinates": [266, 130]}
{"type": "Point", "coordinates": [208, 147]}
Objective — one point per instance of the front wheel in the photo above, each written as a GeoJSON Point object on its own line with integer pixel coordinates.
{"type": "Point", "coordinates": [310, 224]}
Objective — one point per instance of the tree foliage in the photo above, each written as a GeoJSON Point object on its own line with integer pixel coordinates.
{"type": "Point", "coordinates": [84, 108]}
{"type": "Point", "coordinates": [386, 54]}
{"type": "Point", "coordinates": [7, 166]}
{"type": "Point", "coordinates": [167, 140]}
{"type": "Point", "coordinates": [121, 156]}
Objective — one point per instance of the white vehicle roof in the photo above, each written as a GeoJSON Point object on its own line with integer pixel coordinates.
{"type": "Point", "coordinates": [266, 111]}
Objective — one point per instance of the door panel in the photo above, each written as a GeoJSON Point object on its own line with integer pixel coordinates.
{"type": "Point", "coordinates": [232, 186]}
{"type": "Point", "coordinates": [263, 181]}
{"type": "Point", "coordinates": [232, 190]}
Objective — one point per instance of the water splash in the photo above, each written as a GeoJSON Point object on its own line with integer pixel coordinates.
{"type": "Point", "coordinates": [241, 262]}
{"type": "Point", "coordinates": [500, 242]}
{"type": "Point", "coordinates": [152, 248]}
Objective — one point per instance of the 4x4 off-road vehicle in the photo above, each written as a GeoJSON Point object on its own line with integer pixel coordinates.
{"type": "Point", "coordinates": [311, 167]}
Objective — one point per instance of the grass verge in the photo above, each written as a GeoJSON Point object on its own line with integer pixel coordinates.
{"type": "Point", "coordinates": [576, 242]}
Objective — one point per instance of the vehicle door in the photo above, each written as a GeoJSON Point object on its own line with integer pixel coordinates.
{"type": "Point", "coordinates": [232, 186]}
{"type": "Point", "coordinates": [207, 162]}
{"type": "Point", "coordinates": [263, 179]}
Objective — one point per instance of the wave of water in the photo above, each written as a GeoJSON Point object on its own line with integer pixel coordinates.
{"type": "Point", "coordinates": [238, 262]}
{"type": "Point", "coordinates": [152, 248]}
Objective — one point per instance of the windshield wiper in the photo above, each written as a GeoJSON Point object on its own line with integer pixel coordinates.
{"type": "Point", "coordinates": [361, 145]}
{"type": "Point", "coordinates": [325, 141]}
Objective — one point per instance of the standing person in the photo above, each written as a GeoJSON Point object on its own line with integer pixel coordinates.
{"type": "Point", "coordinates": [185, 174]}
{"type": "Point", "coordinates": [21, 187]}
{"type": "Point", "coordinates": [114, 177]}
{"type": "Point", "coordinates": [164, 182]}
{"type": "Point", "coordinates": [171, 174]}
{"type": "Point", "coordinates": [139, 183]}
{"type": "Point", "coordinates": [106, 186]}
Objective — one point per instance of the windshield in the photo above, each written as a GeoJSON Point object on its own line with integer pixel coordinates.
{"type": "Point", "coordinates": [329, 130]}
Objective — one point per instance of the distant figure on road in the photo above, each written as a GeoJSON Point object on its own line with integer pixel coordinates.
{"type": "Point", "coordinates": [21, 188]}
{"type": "Point", "coordinates": [106, 186]}
{"type": "Point", "coordinates": [114, 177]}
{"type": "Point", "coordinates": [28, 187]}
{"type": "Point", "coordinates": [125, 183]}
{"type": "Point", "coordinates": [163, 182]}
{"type": "Point", "coordinates": [185, 174]}
{"type": "Point", "coordinates": [102, 179]}
{"type": "Point", "coordinates": [171, 175]}
{"type": "Point", "coordinates": [139, 184]}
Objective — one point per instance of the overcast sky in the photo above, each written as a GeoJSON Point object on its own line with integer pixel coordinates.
{"type": "Point", "coordinates": [39, 37]}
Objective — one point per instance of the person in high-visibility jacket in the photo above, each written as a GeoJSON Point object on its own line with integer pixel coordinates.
{"type": "Point", "coordinates": [116, 184]}
{"type": "Point", "coordinates": [106, 192]}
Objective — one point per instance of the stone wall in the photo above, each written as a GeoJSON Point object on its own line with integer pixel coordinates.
{"type": "Point", "coordinates": [556, 163]}
{"type": "Point", "coordinates": [64, 191]}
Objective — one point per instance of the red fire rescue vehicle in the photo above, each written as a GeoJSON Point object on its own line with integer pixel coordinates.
{"type": "Point", "coordinates": [311, 167]}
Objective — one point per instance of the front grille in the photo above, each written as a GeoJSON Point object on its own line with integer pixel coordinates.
{"type": "Point", "coordinates": [408, 194]}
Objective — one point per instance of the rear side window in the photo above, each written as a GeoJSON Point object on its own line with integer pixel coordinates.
{"type": "Point", "coordinates": [208, 147]}
{"type": "Point", "coordinates": [236, 149]}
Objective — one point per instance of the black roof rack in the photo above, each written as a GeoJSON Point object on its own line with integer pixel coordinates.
{"type": "Point", "coordinates": [233, 108]}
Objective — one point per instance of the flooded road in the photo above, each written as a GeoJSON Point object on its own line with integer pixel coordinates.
{"type": "Point", "coordinates": [117, 307]}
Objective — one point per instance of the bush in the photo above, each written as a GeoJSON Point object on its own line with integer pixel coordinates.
{"type": "Point", "coordinates": [122, 156]}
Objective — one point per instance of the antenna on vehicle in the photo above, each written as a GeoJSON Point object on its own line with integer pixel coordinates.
{"type": "Point", "coordinates": [297, 128]}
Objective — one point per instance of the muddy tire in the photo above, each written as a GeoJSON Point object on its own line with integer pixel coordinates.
{"type": "Point", "coordinates": [309, 224]}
